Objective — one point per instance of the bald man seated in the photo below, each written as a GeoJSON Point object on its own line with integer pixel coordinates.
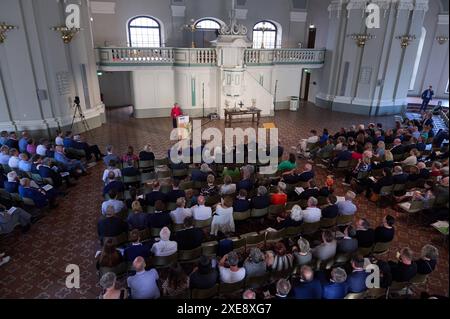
{"type": "Point", "coordinates": [143, 285]}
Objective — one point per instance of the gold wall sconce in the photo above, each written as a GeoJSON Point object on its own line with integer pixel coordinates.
{"type": "Point", "coordinates": [405, 40]}
{"type": "Point", "coordinates": [361, 39]}
{"type": "Point", "coordinates": [5, 28]}
{"type": "Point", "coordinates": [442, 39]}
{"type": "Point", "coordinates": [67, 34]}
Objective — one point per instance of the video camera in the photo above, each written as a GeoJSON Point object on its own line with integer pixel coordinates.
{"type": "Point", "coordinates": [77, 100]}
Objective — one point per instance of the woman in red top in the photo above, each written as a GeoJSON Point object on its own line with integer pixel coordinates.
{"type": "Point", "coordinates": [130, 156]}
{"type": "Point", "coordinates": [176, 112]}
{"type": "Point", "coordinates": [280, 197]}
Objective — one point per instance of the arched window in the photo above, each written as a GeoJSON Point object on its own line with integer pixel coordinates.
{"type": "Point", "coordinates": [144, 32]}
{"type": "Point", "coordinates": [264, 35]}
{"type": "Point", "coordinates": [417, 61]}
{"type": "Point", "coordinates": [207, 24]}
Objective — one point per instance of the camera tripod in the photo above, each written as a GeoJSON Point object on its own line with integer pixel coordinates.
{"type": "Point", "coordinates": [79, 112]}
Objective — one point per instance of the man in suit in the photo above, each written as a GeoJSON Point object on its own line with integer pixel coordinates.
{"type": "Point", "coordinates": [241, 203]}
{"type": "Point", "coordinates": [12, 141]}
{"type": "Point", "coordinates": [190, 237]}
{"type": "Point", "coordinates": [130, 170]}
{"type": "Point", "coordinates": [160, 218]}
{"type": "Point", "coordinates": [398, 148]}
{"type": "Point", "coordinates": [39, 196]}
{"type": "Point", "coordinates": [246, 182]}
{"type": "Point", "coordinates": [111, 226]}
{"type": "Point", "coordinates": [46, 170]}
{"type": "Point", "coordinates": [113, 184]}
{"type": "Point", "coordinates": [332, 209]}
{"type": "Point", "coordinates": [336, 288]}
{"type": "Point", "coordinates": [176, 192]}
{"type": "Point", "coordinates": [385, 232]}
{"type": "Point", "coordinates": [155, 195]}
{"type": "Point", "coordinates": [356, 280]}
{"type": "Point", "coordinates": [261, 200]}
{"type": "Point", "coordinates": [136, 248]}
{"type": "Point", "coordinates": [399, 177]}
{"type": "Point", "coordinates": [348, 244]}
{"type": "Point", "coordinates": [307, 174]}
{"type": "Point", "coordinates": [364, 234]}
{"type": "Point", "coordinates": [427, 96]}
{"type": "Point", "coordinates": [406, 268]}
{"type": "Point", "coordinates": [12, 184]}
{"type": "Point", "coordinates": [307, 287]}
{"type": "Point", "coordinates": [386, 180]}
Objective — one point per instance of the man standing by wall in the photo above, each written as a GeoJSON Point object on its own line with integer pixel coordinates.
{"type": "Point", "coordinates": [427, 96]}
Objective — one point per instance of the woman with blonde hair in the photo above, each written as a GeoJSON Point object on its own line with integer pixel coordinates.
{"type": "Point", "coordinates": [137, 219]}
{"type": "Point", "coordinates": [293, 220]}
{"type": "Point", "coordinates": [228, 186]}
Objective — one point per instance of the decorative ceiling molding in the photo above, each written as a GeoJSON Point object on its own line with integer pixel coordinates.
{"type": "Point", "coordinates": [98, 7]}
{"type": "Point", "coordinates": [297, 16]}
{"type": "Point", "coordinates": [178, 11]}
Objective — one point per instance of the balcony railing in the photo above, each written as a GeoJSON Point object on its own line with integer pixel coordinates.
{"type": "Point", "coordinates": [284, 56]}
{"type": "Point", "coordinates": [127, 56]}
{"type": "Point", "coordinates": [156, 56]}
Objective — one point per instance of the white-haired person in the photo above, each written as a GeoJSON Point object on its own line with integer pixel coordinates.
{"type": "Point", "coordinates": [283, 288]}
{"type": "Point", "coordinates": [11, 185]}
{"type": "Point", "coordinates": [428, 260]}
{"type": "Point", "coordinates": [223, 217]}
{"type": "Point", "coordinates": [255, 264]}
{"type": "Point", "coordinates": [302, 253]}
{"type": "Point", "coordinates": [347, 207]}
{"type": "Point", "coordinates": [280, 197]}
{"type": "Point", "coordinates": [146, 154]}
{"type": "Point", "coordinates": [312, 213]}
{"type": "Point", "coordinates": [108, 284]}
{"type": "Point", "coordinates": [200, 211]}
{"type": "Point", "coordinates": [143, 285]}
{"type": "Point", "coordinates": [228, 186]}
{"type": "Point", "coordinates": [165, 246]}
{"type": "Point", "coordinates": [293, 220]}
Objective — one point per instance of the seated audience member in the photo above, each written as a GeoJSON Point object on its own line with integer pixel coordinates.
{"type": "Point", "coordinates": [155, 195]}
{"type": "Point", "coordinates": [405, 268]}
{"type": "Point", "coordinates": [190, 237]}
{"type": "Point", "coordinates": [110, 156]}
{"type": "Point", "coordinates": [398, 176]}
{"type": "Point", "coordinates": [412, 158]}
{"type": "Point", "coordinates": [191, 198]}
{"type": "Point", "coordinates": [223, 217]}
{"type": "Point", "coordinates": [283, 288]}
{"type": "Point", "coordinates": [241, 203]}
{"type": "Point", "coordinates": [386, 180]}
{"type": "Point", "coordinates": [302, 254]}
{"type": "Point", "coordinates": [307, 287]}
{"type": "Point", "coordinates": [177, 282]}
{"type": "Point", "coordinates": [43, 147]}
{"type": "Point", "coordinates": [356, 280]}
{"type": "Point", "coordinates": [160, 218]}
{"type": "Point", "coordinates": [293, 220]}
{"type": "Point", "coordinates": [137, 219]}
{"type": "Point", "coordinates": [24, 163]}
{"type": "Point", "coordinates": [385, 232]}
{"type": "Point", "coordinates": [204, 276]}
{"type": "Point", "coordinates": [310, 191]}
{"type": "Point", "coordinates": [232, 172]}
{"type": "Point", "coordinates": [332, 209]}
{"type": "Point", "coordinates": [261, 200]}
{"type": "Point", "coordinates": [46, 169]}
{"type": "Point", "coordinates": [4, 155]}
{"type": "Point", "coordinates": [23, 142]}
{"type": "Point", "coordinates": [109, 256]}
{"type": "Point", "coordinates": [364, 234]}
{"type": "Point", "coordinates": [40, 197]}
{"type": "Point", "coordinates": [312, 139]}
{"type": "Point", "coordinates": [129, 155]}
{"type": "Point", "coordinates": [289, 164]}
{"type": "Point", "coordinates": [343, 155]}
{"type": "Point", "coordinates": [363, 167]}
{"type": "Point", "coordinates": [327, 249]}
{"type": "Point", "coordinates": [398, 148]}
{"type": "Point", "coordinates": [228, 187]}
{"type": "Point", "coordinates": [200, 211]}
{"type": "Point", "coordinates": [118, 205]}
{"type": "Point", "coordinates": [112, 167]}
{"type": "Point", "coordinates": [424, 173]}
{"type": "Point", "coordinates": [129, 170]}
{"type": "Point", "coordinates": [280, 197]}
{"type": "Point", "coordinates": [70, 165]}
{"type": "Point", "coordinates": [211, 189]}
{"type": "Point", "coordinates": [200, 174]}
{"type": "Point", "coordinates": [436, 169]}
{"type": "Point", "coordinates": [90, 150]}
{"type": "Point", "coordinates": [113, 184]}
{"type": "Point", "coordinates": [146, 154]}
{"type": "Point", "coordinates": [347, 207]}
{"type": "Point", "coordinates": [229, 270]}
{"type": "Point", "coordinates": [179, 214]}
{"type": "Point", "coordinates": [143, 285]}
{"type": "Point", "coordinates": [108, 284]}
{"type": "Point", "coordinates": [428, 260]}
{"type": "Point", "coordinates": [255, 264]}
{"type": "Point", "coordinates": [312, 213]}
{"type": "Point", "coordinates": [176, 192]}
{"type": "Point", "coordinates": [336, 288]}
{"type": "Point", "coordinates": [279, 259]}
{"type": "Point", "coordinates": [12, 184]}
{"type": "Point", "coordinates": [136, 248]}
{"type": "Point", "coordinates": [164, 247]}
{"type": "Point", "coordinates": [8, 221]}
{"type": "Point", "coordinates": [111, 226]}
{"type": "Point", "coordinates": [59, 139]}
{"type": "Point", "coordinates": [348, 244]}
{"type": "Point", "coordinates": [14, 159]}
{"type": "Point", "coordinates": [134, 197]}
{"type": "Point", "coordinates": [246, 182]}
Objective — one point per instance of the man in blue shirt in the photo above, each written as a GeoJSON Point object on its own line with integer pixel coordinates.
{"type": "Point", "coordinates": [336, 288]}
{"type": "Point", "coordinates": [24, 163]}
{"type": "Point", "coordinates": [427, 96]}
{"type": "Point", "coordinates": [68, 164]}
{"type": "Point", "coordinates": [143, 285]}
{"type": "Point", "coordinates": [23, 142]}
{"type": "Point", "coordinates": [356, 281]}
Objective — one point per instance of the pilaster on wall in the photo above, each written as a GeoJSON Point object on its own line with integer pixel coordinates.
{"type": "Point", "coordinates": [373, 78]}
